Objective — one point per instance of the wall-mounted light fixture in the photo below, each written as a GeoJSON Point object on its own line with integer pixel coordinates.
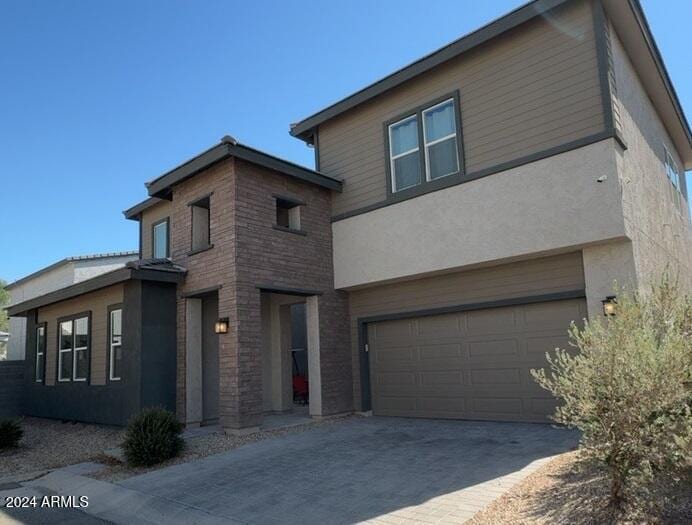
{"type": "Point", "coordinates": [221, 325]}
{"type": "Point", "coordinates": [610, 304]}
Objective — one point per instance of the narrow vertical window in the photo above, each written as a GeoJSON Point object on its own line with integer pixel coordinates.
{"type": "Point", "coordinates": [160, 239]}
{"type": "Point", "coordinates": [115, 341]}
{"type": "Point", "coordinates": [404, 153]}
{"type": "Point", "coordinates": [440, 134]}
{"type": "Point", "coordinates": [672, 171]}
{"type": "Point", "coordinates": [40, 353]}
{"type": "Point", "coordinates": [73, 349]}
{"type": "Point", "coordinates": [65, 351]}
{"type": "Point", "coordinates": [80, 367]}
{"type": "Point", "coordinates": [201, 225]}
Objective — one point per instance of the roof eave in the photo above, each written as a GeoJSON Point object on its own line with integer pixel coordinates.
{"type": "Point", "coordinates": [160, 187]}
{"type": "Point", "coordinates": [305, 128]}
{"type": "Point", "coordinates": [91, 285]}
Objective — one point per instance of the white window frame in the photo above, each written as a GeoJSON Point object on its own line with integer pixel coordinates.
{"type": "Point", "coordinates": [669, 165]}
{"type": "Point", "coordinates": [62, 351]}
{"type": "Point", "coordinates": [154, 228]}
{"type": "Point", "coordinates": [392, 157]}
{"type": "Point", "coordinates": [427, 144]}
{"type": "Point", "coordinates": [76, 349]}
{"type": "Point", "coordinates": [112, 346]}
{"type": "Point", "coordinates": [40, 352]}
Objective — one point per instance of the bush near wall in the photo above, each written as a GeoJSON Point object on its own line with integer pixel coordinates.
{"type": "Point", "coordinates": [627, 390]}
{"type": "Point", "coordinates": [152, 436]}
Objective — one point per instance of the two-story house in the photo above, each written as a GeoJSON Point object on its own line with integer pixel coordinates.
{"type": "Point", "coordinates": [463, 211]}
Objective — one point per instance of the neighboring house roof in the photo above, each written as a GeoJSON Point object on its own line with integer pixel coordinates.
{"type": "Point", "coordinates": [66, 260]}
{"type": "Point", "coordinates": [305, 128]}
{"type": "Point", "coordinates": [230, 147]}
{"type": "Point", "coordinates": [161, 270]}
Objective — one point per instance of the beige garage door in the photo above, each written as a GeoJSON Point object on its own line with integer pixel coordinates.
{"type": "Point", "coordinates": [468, 365]}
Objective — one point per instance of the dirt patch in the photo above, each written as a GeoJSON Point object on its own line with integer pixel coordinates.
{"type": "Point", "coordinates": [49, 444]}
{"type": "Point", "coordinates": [571, 492]}
{"type": "Point", "coordinates": [208, 445]}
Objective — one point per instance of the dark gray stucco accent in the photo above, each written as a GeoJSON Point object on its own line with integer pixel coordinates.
{"type": "Point", "coordinates": [12, 375]}
{"type": "Point", "coordinates": [303, 129]}
{"type": "Point", "coordinates": [287, 291]}
{"type": "Point", "coordinates": [105, 404]}
{"type": "Point", "coordinates": [148, 368]}
{"type": "Point", "coordinates": [158, 345]}
{"type": "Point", "coordinates": [161, 186]}
{"type": "Point", "coordinates": [446, 182]}
{"type": "Point", "coordinates": [600, 33]}
{"type": "Point", "coordinates": [366, 394]}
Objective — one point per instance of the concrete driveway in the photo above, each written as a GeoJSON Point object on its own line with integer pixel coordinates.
{"type": "Point", "coordinates": [387, 470]}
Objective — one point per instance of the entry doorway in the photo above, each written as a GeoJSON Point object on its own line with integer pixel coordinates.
{"type": "Point", "coordinates": [286, 379]}
{"type": "Point", "coordinates": [202, 359]}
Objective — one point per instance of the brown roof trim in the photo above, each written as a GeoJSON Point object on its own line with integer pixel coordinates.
{"type": "Point", "coordinates": [304, 129]}
{"type": "Point", "coordinates": [636, 7]}
{"type": "Point", "coordinates": [101, 281]}
{"type": "Point", "coordinates": [66, 260]}
{"type": "Point", "coordinates": [229, 147]}
{"type": "Point", "coordinates": [135, 211]}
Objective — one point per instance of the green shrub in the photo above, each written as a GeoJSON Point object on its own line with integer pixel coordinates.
{"type": "Point", "coordinates": [626, 391]}
{"type": "Point", "coordinates": [10, 433]}
{"type": "Point", "coordinates": [152, 436]}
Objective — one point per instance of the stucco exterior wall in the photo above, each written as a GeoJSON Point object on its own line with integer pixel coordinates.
{"type": "Point", "coordinates": [656, 215]}
{"type": "Point", "coordinates": [548, 206]}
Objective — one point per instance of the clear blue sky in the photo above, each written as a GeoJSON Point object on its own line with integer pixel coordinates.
{"type": "Point", "coordinates": [98, 97]}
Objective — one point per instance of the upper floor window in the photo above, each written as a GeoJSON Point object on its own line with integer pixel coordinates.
{"type": "Point", "coordinates": [288, 213]}
{"type": "Point", "coordinates": [160, 239]}
{"type": "Point", "coordinates": [672, 170]}
{"type": "Point", "coordinates": [40, 353]}
{"type": "Point", "coordinates": [201, 225]}
{"type": "Point", "coordinates": [73, 349]}
{"type": "Point", "coordinates": [424, 146]}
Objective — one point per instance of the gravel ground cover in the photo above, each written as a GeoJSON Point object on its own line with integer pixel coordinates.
{"type": "Point", "coordinates": [49, 444]}
{"type": "Point", "coordinates": [205, 445]}
{"type": "Point", "coordinates": [567, 491]}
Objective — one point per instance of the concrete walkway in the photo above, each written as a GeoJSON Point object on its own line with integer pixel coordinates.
{"type": "Point", "coordinates": [376, 470]}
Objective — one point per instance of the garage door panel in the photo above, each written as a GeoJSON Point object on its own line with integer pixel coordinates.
{"type": "Point", "coordinates": [440, 351]}
{"type": "Point", "coordinates": [472, 365]}
{"type": "Point", "coordinates": [489, 350]}
{"type": "Point", "coordinates": [495, 376]}
{"type": "Point", "coordinates": [440, 326]}
{"type": "Point", "coordinates": [441, 378]}
{"type": "Point", "coordinates": [491, 321]}
{"type": "Point", "coordinates": [494, 406]}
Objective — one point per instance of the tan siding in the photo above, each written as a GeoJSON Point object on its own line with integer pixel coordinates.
{"type": "Point", "coordinates": [97, 303]}
{"type": "Point", "coordinates": [149, 216]}
{"type": "Point", "coordinates": [529, 90]}
{"type": "Point", "coordinates": [535, 277]}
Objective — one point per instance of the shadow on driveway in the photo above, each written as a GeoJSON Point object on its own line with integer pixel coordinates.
{"type": "Point", "coordinates": [361, 469]}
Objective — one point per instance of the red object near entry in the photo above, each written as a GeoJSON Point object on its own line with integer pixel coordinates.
{"type": "Point", "coordinates": [300, 389]}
